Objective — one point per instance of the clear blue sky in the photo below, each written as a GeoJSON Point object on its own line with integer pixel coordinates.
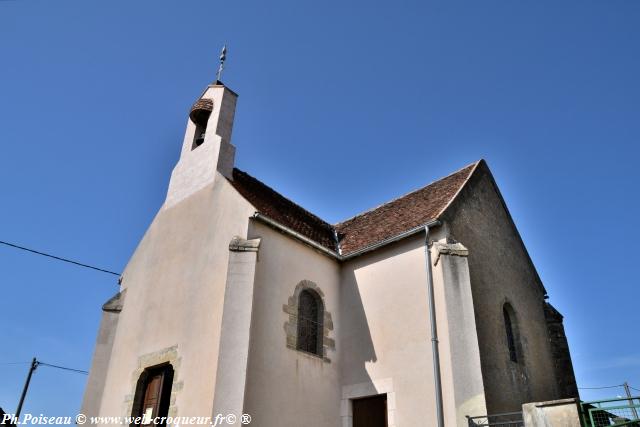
{"type": "Point", "coordinates": [343, 105]}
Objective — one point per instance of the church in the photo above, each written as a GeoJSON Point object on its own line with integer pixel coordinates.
{"type": "Point", "coordinates": [418, 312]}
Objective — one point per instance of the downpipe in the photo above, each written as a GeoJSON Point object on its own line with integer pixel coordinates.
{"type": "Point", "coordinates": [434, 331]}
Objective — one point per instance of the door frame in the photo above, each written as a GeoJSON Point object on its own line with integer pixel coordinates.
{"type": "Point", "coordinates": [367, 389]}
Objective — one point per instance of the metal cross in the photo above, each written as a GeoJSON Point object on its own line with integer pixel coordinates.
{"type": "Point", "coordinates": [223, 57]}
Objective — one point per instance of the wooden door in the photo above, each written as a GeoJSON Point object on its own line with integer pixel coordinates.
{"type": "Point", "coordinates": [151, 400]}
{"type": "Point", "coordinates": [370, 411]}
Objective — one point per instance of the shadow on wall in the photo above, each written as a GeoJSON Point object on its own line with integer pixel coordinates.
{"type": "Point", "coordinates": [356, 345]}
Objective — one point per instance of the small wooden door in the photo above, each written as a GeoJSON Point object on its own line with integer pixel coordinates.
{"type": "Point", "coordinates": [152, 394]}
{"type": "Point", "coordinates": [370, 411]}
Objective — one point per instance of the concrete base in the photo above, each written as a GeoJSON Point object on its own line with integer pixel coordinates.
{"type": "Point", "coordinates": [555, 413]}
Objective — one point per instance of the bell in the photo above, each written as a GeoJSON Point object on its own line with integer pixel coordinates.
{"type": "Point", "coordinates": [200, 140]}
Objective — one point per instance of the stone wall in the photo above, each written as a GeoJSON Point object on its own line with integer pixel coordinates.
{"type": "Point", "coordinates": [565, 377]}
{"type": "Point", "coordinates": [502, 272]}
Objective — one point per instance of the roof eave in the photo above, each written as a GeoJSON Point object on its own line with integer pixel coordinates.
{"type": "Point", "coordinates": [393, 239]}
{"type": "Point", "coordinates": [335, 255]}
{"type": "Point", "coordinates": [286, 230]}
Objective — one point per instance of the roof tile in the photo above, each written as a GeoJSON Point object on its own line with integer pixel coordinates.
{"type": "Point", "coordinates": [277, 207]}
{"type": "Point", "coordinates": [363, 230]}
{"type": "Point", "coordinates": [402, 214]}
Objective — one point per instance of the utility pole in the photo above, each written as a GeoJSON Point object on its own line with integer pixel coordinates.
{"type": "Point", "coordinates": [34, 365]}
{"type": "Point", "coordinates": [633, 408]}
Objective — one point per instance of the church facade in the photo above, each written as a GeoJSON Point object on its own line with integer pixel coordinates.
{"type": "Point", "coordinates": [238, 301]}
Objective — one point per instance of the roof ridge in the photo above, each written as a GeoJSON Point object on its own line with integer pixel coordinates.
{"type": "Point", "coordinates": [474, 164]}
{"type": "Point", "coordinates": [329, 225]}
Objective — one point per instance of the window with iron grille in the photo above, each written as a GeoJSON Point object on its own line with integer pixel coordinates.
{"type": "Point", "coordinates": [310, 327]}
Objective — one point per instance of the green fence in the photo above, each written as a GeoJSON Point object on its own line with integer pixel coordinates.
{"type": "Point", "coordinates": [611, 412]}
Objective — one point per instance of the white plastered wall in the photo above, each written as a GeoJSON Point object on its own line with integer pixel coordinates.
{"type": "Point", "coordinates": [175, 285]}
{"type": "Point", "coordinates": [284, 386]}
{"type": "Point", "coordinates": [384, 340]}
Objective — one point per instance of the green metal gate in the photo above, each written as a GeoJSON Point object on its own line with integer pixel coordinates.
{"type": "Point", "coordinates": [611, 412]}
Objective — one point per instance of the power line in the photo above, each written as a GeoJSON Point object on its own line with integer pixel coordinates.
{"type": "Point", "coordinates": [59, 258]}
{"type": "Point", "coordinates": [79, 371]}
{"type": "Point", "coordinates": [39, 363]}
{"type": "Point", "coordinates": [599, 388]}
{"type": "Point", "coordinates": [35, 363]}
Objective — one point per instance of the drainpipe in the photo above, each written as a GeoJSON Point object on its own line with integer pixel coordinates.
{"type": "Point", "coordinates": [434, 331]}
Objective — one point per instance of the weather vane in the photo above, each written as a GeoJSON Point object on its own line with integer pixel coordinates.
{"type": "Point", "coordinates": [223, 57]}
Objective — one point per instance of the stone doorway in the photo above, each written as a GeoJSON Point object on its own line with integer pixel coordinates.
{"type": "Point", "coordinates": [370, 411]}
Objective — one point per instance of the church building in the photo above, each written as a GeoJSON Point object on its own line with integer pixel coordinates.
{"type": "Point", "coordinates": [418, 312]}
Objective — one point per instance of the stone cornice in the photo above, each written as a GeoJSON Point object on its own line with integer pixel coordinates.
{"type": "Point", "coordinates": [456, 249]}
{"type": "Point", "coordinates": [239, 244]}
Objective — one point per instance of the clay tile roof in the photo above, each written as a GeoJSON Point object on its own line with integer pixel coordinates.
{"type": "Point", "coordinates": [277, 207]}
{"type": "Point", "coordinates": [402, 214]}
{"type": "Point", "coordinates": [363, 230]}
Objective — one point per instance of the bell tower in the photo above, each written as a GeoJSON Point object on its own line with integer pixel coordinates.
{"type": "Point", "coordinates": [206, 149]}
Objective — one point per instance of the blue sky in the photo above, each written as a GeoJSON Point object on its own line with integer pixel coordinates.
{"type": "Point", "coordinates": [343, 105]}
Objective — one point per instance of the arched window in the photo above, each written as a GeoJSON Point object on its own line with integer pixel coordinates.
{"type": "Point", "coordinates": [513, 335]}
{"type": "Point", "coordinates": [310, 322]}
{"type": "Point", "coordinates": [153, 395]}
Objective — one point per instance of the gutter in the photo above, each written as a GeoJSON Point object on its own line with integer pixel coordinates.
{"type": "Point", "coordinates": [295, 234]}
{"type": "Point", "coordinates": [385, 242]}
{"type": "Point", "coordinates": [336, 255]}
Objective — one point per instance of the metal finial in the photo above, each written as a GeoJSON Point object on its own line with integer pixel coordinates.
{"type": "Point", "coordinates": [223, 57]}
